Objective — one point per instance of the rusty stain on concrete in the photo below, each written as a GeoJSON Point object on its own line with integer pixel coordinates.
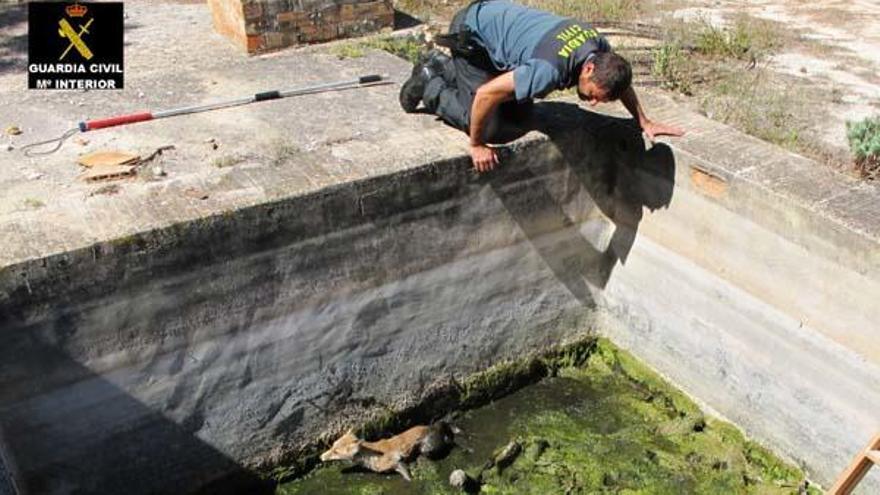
{"type": "Point", "coordinates": [707, 183]}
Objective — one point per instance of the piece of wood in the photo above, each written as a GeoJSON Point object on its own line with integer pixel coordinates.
{"type": "Point", "coordinates": [874, 456]}
{"type": "Point", "coordinates": [107, 158]}
{"type": "Point", "coordinates": [857, 470]}
{"type": "Point", "coordinates": [107, 172]}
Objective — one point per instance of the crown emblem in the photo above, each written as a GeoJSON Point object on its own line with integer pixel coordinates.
{"type": "Point", "coordinates": [76, 10]}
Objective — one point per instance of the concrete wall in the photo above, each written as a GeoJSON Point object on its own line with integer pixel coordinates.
{"type": "Point", "coordinates": [165, 361]}
{"type": "Point", "coordinates": [756, 292]}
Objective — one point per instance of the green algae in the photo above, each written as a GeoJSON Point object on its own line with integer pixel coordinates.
{"type": "Point", "coordinates": [601, 423]}
{"type": "Point", "coordinates": [476, 390]}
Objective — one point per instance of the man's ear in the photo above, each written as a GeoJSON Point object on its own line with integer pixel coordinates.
{"type": "Point", "coordinates": [587, 70]}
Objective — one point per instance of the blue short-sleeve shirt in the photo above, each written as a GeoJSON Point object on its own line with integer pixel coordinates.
{"type": "Point", "coordinates": [544, 51]}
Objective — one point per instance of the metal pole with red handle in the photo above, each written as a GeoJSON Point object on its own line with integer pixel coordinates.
{"type": "Point", "coordinates": [91, 125]}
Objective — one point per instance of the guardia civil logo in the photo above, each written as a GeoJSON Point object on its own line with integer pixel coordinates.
{"type": "Point", "coordinates": [75, 45]}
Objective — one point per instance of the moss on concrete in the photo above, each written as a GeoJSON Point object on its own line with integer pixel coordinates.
{"type": "Point", "coordinates": [474, 391]}
{"type": "Point", "coordinates": [600, 422]}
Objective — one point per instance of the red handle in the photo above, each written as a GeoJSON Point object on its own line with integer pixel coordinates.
{"type": "Point", "coordinates": [112, 121]}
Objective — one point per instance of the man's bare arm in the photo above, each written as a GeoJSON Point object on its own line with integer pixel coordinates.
{"type": "Point", "coordinates": [486, 100]}
{"type": "Point", "coordinates": [651, 129]}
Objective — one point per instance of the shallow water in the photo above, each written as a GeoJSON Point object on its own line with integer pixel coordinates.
{"type": "Point", "coordinates": [610, 427]}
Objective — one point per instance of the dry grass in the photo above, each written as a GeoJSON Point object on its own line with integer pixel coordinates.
{"type": "Point", "coordinates": [592, 10]}
{"type": "Point", "coordinates": [33, 203]}
{"type": "Point", "coordinates": [431, 10]}
{"type": "Point", "coordinates": [587, 10]}
{"type": "Point", "coordinates": [724, 70]}
{"type": "Point", "coordinates": [227, 161]}
{"type": "Point", "coordinates": [759, 104]}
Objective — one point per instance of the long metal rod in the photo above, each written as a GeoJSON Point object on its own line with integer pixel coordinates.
{"type": "Point", "coordinates": [90, 125]}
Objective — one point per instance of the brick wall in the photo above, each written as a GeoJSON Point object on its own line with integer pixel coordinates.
{"type": "Point", "coordinates": [262, 25]}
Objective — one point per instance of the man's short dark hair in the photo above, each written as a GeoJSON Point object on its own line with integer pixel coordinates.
{"type": "Point", "coordinates": [613, 73]}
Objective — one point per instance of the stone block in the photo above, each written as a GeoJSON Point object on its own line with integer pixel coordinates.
{"type": "Point", "coordinates": [263, 25]}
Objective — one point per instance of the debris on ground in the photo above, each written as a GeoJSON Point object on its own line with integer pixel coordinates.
{"type": "Point", "coordinates": [507, 455]}
{"type": "Point", "coordinates": [81, 141]}
{"type": "Point", "coordinates": [158, 152]}
{"type": "Point", "coordinates": [196, 193]}
{"type": "Point", "coordinates": [108, 158]}
{"type": "Point", "coordinates": [9, 147]}
{"type": "Point", "coordinates": [536, 448]}
{"type": "Point", "coordinates": [13, 130]}
{"type": "Point", "coordinates": [107, 172]}
{"type": "Point", "coordinates": [108, 165]}
{"type": "Point", "coordinates": [108, 190]}
{"type": "Point", "coordinates": [35, 176]}
{"type": "Point", "coordinates": [458, 478]}
{"type": "Point", "coordinates": [114, 164]}
{"type": "Point", "coordinates": [461, 480]}
{"type": "Point", "coordinates": [155, 172]}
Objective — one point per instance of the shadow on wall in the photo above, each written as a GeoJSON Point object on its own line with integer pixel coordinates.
{"type": "Point", "coordinates": [63, 434]}
{"type": "Point", "coordinates": [603, 156]}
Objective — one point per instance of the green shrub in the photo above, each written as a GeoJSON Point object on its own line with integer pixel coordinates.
{"type": "Point", "coordinates": [674, 67]}
{"type": "Point", "coordinates": [747, 38]}
{"type": "Point", "coordinates": [864, 142]}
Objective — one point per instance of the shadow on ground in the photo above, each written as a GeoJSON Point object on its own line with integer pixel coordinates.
{"type": "Point", "coordinates": [402, 20]}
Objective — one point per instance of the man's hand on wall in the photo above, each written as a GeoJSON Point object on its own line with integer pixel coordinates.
{"type": "Point", "coordinates": [484, 158]}
{"type": "Point", "coordinates": [655, 129]}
